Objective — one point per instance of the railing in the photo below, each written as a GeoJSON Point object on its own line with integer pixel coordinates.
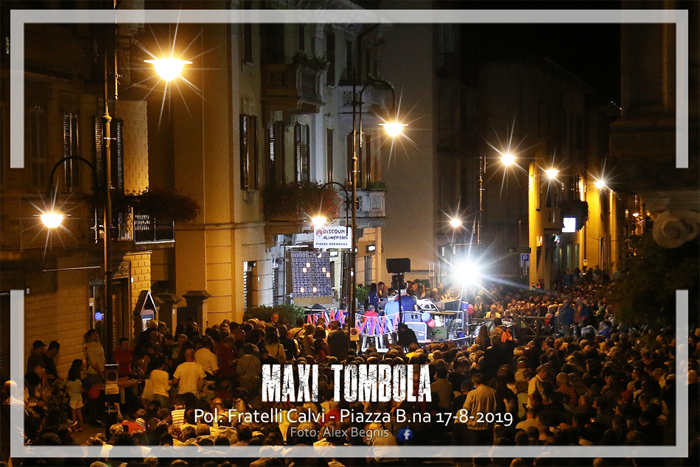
{"type": "Point", "coordinates": [140, 228]}
{"type": "Point", "coordinates": [21, 227]}
{"type": "Point", "coordinates": [369, 204]}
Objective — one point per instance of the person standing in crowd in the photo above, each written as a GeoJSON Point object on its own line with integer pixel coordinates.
{"type": "Point", "coordinates": [49, 362]}
{"type": "Point", "coordinates": [248, 368]}
{"type": "Point", "coordinates": [227, 359]}
{"type": "Point", "coordinates": [123, 356]}
{"type": "Point", "coordinates": [160, 379]}
{"type": "Point", "coordinates": [95, 357]}
{"type": "Point", "coordinates": [74, 389]}
{"type": "Point", "coordinates": [189, 376]}
{"type": "Point", "coordinates": [338, 341]}
{"type": "Point", "coordinates": [206, 358]}
{"type": "Point", "coordinates": [480, 400]}
{"type": "Point", "coordinates": [36, 357]}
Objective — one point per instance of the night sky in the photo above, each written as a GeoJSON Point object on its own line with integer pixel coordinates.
{"type": "Point", "coordinates": [590, 51]}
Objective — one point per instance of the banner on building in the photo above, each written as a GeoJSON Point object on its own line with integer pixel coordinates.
{"type": "Point", "coordinates": [333, 236]}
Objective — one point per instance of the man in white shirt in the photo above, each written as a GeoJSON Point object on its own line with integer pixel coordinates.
{"type": "Point", "coordinates": [189, 376]}
{"type": "Point", "coordinates": [207, 359]}
{"type": "Point", "coordinates": [535, 384]}
{"type": "Point", "coordinates": [95, 355]}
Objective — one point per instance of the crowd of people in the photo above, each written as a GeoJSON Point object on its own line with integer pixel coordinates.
{"type": "Point", "coordinates": [584, 380]}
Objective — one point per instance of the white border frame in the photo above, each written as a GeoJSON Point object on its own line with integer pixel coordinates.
{"type": "Point", "coordinates": [18, 19]}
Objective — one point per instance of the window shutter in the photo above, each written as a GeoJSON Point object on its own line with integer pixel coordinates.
{"type": "Point", "coordinates": [256, 164]}
{"type": "Point", "coordinates": [244, 152]}
{"type": "Point", "coordinates": [99, 155]}
{"type": "Point", "coordinates": [117, 149]}
{"type": "Point", "coordinates": [71, 149]}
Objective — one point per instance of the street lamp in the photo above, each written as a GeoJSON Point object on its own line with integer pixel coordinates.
{"type": "Point", "coordinates": [552, 173]}
{"type": "Point", "coordinates": [168, 68]}
{"type": "Point", "coordinates": [600, 184]}
{"type": "Point", "coordinates": [508, 159]}
{"type": "Point", "coordinates": [393, 129]}
{"type": "Point", "coordinates": [455, 222]}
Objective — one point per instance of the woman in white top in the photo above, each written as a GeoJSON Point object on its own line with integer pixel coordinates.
{"type": "Point", "coordinates": [160, 379]}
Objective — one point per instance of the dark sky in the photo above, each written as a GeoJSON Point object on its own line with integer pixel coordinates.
{"type": "Point", "coordinates": [590, 51]}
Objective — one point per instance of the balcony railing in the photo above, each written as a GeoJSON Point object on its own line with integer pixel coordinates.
{"type": "Point", "coordinates": [140, 228]}
{"type": "Point", "coordinates": [293, 87]}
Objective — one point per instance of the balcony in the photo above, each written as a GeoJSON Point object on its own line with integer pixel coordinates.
{"type": "Point", "coordinates": [292, 87]}
{"type": "Point", "coordinates": [551, 220]}
{"type": "Point", "coordinates": [370, 209]}
{"type": "Point", "coordinates": [143, 229]}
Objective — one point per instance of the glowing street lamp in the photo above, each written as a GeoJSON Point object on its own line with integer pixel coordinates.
{"type": "Point", "coordinates": [552, 173]}
{"type": "Point", "coordinates": [393, 129]}
{"type": "Point", "coordinates": [168, 68]}
{"type": "Point", "coordinates": [455, 222]}
{"type": "Point", "coordinates": [52, 219]}
{"type": "Point", "coordinates": [319, 220]}
{"type": "Point", "coordinates": [467, 272]}
{"type": "Point", "coordinates": [600, 184]}
{"type": "Point", "coordinates": [508, 159]}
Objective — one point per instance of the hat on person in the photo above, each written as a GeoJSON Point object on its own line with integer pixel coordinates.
{"type": "Point", "coordinates": [38, 344]}
{"type": "Point", "coordinates": [54, 345]}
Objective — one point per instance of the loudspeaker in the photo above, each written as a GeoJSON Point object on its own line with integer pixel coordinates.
{"type": "Point", "coordinates": [420, 329]}
{"type": "Point", "coordinates": [398, 265]}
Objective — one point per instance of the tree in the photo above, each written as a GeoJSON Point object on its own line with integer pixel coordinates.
{"type": "Point", "coordinates": [646, 289]}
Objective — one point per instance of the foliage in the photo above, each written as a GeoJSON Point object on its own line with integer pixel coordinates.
{"type": "Point", "coordinates": [301, 201]}
{"type": "Point", "coordinates": [646, 289]}
{"type": "Point", "coordinates": [288, 313]}
{"type": "Point", "coordinates": [376, 186]}
{"type": "Point", "coordinates": [361, 293]}
{"type": "Point", "coordinates": [165, 204]}
{"type": "Point", "coordinates": [310, 61]}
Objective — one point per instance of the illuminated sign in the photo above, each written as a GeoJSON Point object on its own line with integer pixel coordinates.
{"type": "Point", "coordinates": [569, 225]}
{"type": "Point", "coordinates": [332, 237]}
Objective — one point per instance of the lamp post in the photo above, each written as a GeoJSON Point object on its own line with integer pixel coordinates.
{"type": "Point", "coordinates": [319, 220]}
{"type": "Point", "coordinates": [167, 69]}
{"type": "Point", "coordinates": [393, 129]}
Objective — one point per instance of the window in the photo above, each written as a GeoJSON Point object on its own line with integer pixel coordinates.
{"type": "Point", "coordinates": [37, 147]}
{"type": "Point", "coordinates": [248, 283]}
{"type": "Point", "coordinates": [247, 36]}
{"type": "Point", "coordinates": [365, 162]}
{"type": "Point", "coordinates": [71, 168]}
{"type": "Point", "coordinates": [249, 152]}
{"type": "Point", "coordinates": [368, 61]}
{"type": "Point", "coordinates": [329, 154]}
{"type": "Point", "coordinates": [348, 60]}
{"type": "Point", "coordinates": [301, 37]}
{"type": "Point", "coordinates": [330, 56]}
{"type": "Point", "coordinates": [302, 169]}
{"type": "Point", "coordinates": [272, 36]}
{"type": "Point", "coordinates": [3, 139]}
{"type": "Point", "coordinates": [368, 270]}
{"type": "Point", "coordinates": [275, 153]}
{"type": "Point", "coordinates": [116, 152]}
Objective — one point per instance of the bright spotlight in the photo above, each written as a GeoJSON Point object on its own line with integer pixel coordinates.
{"type": "Point", "coordinates": [600, 184]}
{"type": "Point", "coordinates": [319, 221]}
{"type": "Point", "coordinates": [454, 222]}
{"type": "Point", "coordinates": [466, 272]}
{"type": "Point", "coordinates": [168, 68]}
{"type": "Point", "coordinates": [552, 173]}
{"type": "Point", "coordinates": [52, 219]}
{"type": "Point", "coordinates": [393, 128]}
{"type": "Point", "coordinates": [508, 159]}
